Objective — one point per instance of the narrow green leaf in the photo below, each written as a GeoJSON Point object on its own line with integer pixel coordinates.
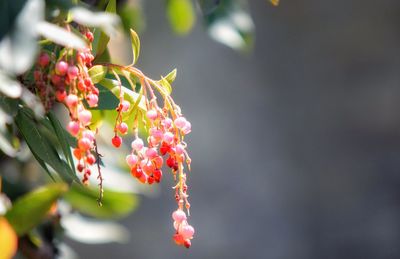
{"type": "Point", "coordinates": [41, 146]}
{"type": "Point", "coordinates": [29, 210]}
{"type": "Point", "coordinates": [62, 138]}
{"type": "Point", "coordinates": [166, 85]}
{"type": "Point", "coordinates": [97, 73]}
{"type": "Point", "coordinates": [129, 95]}
{"type": "Point", "coordinates": [135, 46]}
{"type": "Point", "coordinates": [181, 15]}
{"type": "Point", "coordinates": [101, 39]}
{"type": "Point", "coordinates": [114, 204]}
{"type": "Point", "coordinates": [171, 76]}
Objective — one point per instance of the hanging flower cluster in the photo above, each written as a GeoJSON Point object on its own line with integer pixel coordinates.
{"type": "Point", "coordinates": [66, 80]}
{"type": "Point", "coordinates": [70, 79]}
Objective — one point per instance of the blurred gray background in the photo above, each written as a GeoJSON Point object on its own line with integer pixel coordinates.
{"type": "Point", "coordinates": [295, 147]}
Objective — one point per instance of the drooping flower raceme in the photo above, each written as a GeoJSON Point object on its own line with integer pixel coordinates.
{"type": "Point", "coordinates": [68, 79]}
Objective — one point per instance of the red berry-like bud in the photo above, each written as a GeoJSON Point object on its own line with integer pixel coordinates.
{"type": "Point", "coordinates": [77, 153]}
{"type": "Point", "coordinates": [80, 167]}
{"type": "Point", "coordinates": [37, 75]}
{"type": "Point", "coordinates": [150, 180]}
{"type": "Point", "coordinates": [44, 60]}
{"type": "Point", "coordinates": [88, 82]}
{"type": "Point", "coordinates": [116, 141]}
{"type": "Point", "coordinates": [157, 174]}
{"type": "Point", "coordinates": [90, 159]}
{"type": "Point", "coordinates": [55, 79]}
{"type": "Point", "coordinates": [164, 148]}
{"type": "Point", "coordinates": [81, 86]}
{"type": "Point", "coordinates": [178, 239]}
{"type": "Point", "coordinates": [171, 162]}
{"type": "Point", "coordinates": [89, 36]}
{"type": "Point", "coordinates": [187, 243]}
{"type": "Point", "coordinates": [61, 95]}
{"type": "Point", "coordinates": [61, 68]}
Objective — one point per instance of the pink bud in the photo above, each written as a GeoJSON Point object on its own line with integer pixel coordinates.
{"type": "Point", "coordinates": [151, 153]}
{"type": "Point", "coordinates": [73, 128]}
{"type": "Point", "coordinates": [92, 100]}
{"type": "Point", "coordinates": [61, 68]}
{"type": "Point", "coordinates": [73, 72]}
{"type": "Point", "coordinates": [168, 137]}
{"type": "Point", "coordinates": [84, 117]}
{"type": "Point", "coordinates": [167, 122]}
{"type": "Point", "coordinates": [187, 232]}
{"type": "Point", "coordinates": [71, 100]}
{"type": "Point", "coordinates": [84, 143]}
{"type": "Point", "coordinates": [180, 122]}
{"type": "Point", "coordinates": [122, 127]}
{"type": "Point", "coordinates": [131, 160]}
{"type": "Point", "coordinates": [152, 114]}
{"type": "Point", "coordinates": [179, 149]}
{"type": "Point", "coordinates": [44, 59]}
{"type": "Point", "coordinates": [125, 106]}
{"type": "Point", "coordinates": [137, 144]}
{"type": "Point", "coordinates": [88, 134]}
{"type": "Point", "coordinates": [179, 215]}
{"type": "Point", "coordinates": [156, 133]}
{"type": "Point", "coordinates": [187, 128]}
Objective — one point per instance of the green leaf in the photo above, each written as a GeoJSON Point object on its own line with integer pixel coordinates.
{"type": "Point", "coordinates": [41, 146]}
{"type": "Point", "coordinates": [107, 100]}
{"type": "Point", "coordinates": [135, 46]}
{"type": "Point", "coordinates": [101, 39]}
{"type": "Point", "coordinates": [62, 136]}
{"type": "Point", "coordinates": [19, 47]}
{"type": "Point", "coordinates": [229, 22]}
{"type": "Point", "coordinates": [171, 76]}
{"type": "Point", "coordinates": [181, 15]}
{"type": "Point", "coordinates": [129, 95]}
{"type": "Point", "coordinates": [61, 36]}
{"type": "Point", "coordinates": [29, 210]}
{"type": "Point", "coordinates": [97, 73]}
{"type": "Point", "coordinates": [114, 204]}
{"type": "Point", "coordinates": [166, 85]}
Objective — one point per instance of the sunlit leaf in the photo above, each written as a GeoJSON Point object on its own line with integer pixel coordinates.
{"type": "Point", "coordinates": [92, 231]}
{"type": "Point", "coordinates": [107, 21]}
{"type": "Point", "coordinates": [9, 87]}
{"type": "Point", "coordinates": [60, 36]}
{"type": "Point", "coordinates": [30, 209]}
{"type": "Point", "coordinates": [166, 85]}
{"type": "Point", "coordinates": [97, 73]}
{"type": "Point", "coordinates": [181, 15]}
{"type": "Point", "coordinates": [135, 41]}
{"type": "Point", "coordinates": [102, 37]}
{"type": "Point", "coordinates": [229, 23]}
{"type": "Point", "coordinates": [19, 47]}
{"type": "Point", "coordinates": [171, 76]}
{"type": "Point", "coordinates": [114, 204]}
